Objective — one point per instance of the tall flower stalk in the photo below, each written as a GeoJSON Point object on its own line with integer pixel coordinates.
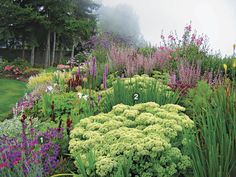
{"type": "Point", "coordinates": [105, 74]}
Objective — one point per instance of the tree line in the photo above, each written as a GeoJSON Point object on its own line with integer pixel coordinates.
{"type": "Point", "coordinates": [46, 24]}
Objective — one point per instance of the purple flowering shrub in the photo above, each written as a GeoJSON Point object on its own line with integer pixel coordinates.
{"type": "Point", "coordinates": [188, 74]}
{"type": "Point", "coordinates": [26, 154]}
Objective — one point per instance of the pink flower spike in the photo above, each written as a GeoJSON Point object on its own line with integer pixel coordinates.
{"type": "Point", "coordinates": [188, 28]}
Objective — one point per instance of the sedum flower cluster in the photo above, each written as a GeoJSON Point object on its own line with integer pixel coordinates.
{"type": "Point", "coordinates": [154, 135]}
{"type": "Point", "coordinates": [144, 81]}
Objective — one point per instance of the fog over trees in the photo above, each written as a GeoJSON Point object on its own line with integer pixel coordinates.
{"type": "Point", "coordinates": [121, 21]}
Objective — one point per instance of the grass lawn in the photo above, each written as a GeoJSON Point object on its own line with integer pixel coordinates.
{"type": "Point", "coordinates": [10, 92]}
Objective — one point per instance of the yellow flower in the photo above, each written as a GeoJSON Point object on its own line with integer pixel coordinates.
{"type": "Point", "coordinates": [234, 46]}
{"type": "Point", "coordinates": [234, 63]}
{"type": "Point", "coordinates": [225, 68]}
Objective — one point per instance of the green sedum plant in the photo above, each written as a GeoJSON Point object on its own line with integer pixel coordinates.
{"type": "Point", "coordinates": [154, 135]}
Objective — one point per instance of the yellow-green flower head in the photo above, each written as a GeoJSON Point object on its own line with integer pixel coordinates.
{"type": "Point", "coordinates": [225, 67]}
{"type": "Point", "coordinates": [234, 63]}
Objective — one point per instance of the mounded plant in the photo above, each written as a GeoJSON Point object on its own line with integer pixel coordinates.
{"type": "Point", "coordinates": [152, 134]}
{"type": "Point", "coordinates": [148, 88]}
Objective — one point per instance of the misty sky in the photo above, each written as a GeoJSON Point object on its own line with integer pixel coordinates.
{"type": "Point", "coordinates": [215, 18]}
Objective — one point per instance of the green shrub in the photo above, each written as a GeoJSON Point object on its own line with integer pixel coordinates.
{"type": "Point", "coordinates": [100, 54]}
{"type": "Point", "coordinates": [21, 63]}
{"type": "Point", "coordinates": [153, 133]}
{"type": "Point", "coordinates": [81, 57]}
{"type": "Point", "coordinates": [147, 51]}
{"type": "Point", "coordinates": [149, 89]}
{"type": "Point", "coordinates": [77, 105]}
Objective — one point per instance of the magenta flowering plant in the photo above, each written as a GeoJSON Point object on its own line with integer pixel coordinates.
{"type": "Point", "coordinates": [191, 45]}
{"type": "Point", "coordinates": [189, 38]}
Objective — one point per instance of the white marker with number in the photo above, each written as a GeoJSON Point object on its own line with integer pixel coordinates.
{"type": "Point", "coordinates": [41, 139]}
{"type": "Point", "coordinates": [136, 96]}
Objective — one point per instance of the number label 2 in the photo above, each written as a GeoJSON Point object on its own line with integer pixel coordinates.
{"type": "Point", "coordinates": [136, 96]}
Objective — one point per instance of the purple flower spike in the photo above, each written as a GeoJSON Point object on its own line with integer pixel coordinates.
{"type": "Point", "coordinates": [94, 67]}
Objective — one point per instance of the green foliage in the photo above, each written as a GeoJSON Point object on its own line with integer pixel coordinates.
{"type": "Point", "coordinates": [86, 106]}
{"type": "Point", "coordinates": [80, 57]}
{"type": "Point", "coordinates": [147, 51]}
{"type": "Point", "coordinates": [154, 135]}
{"type": "Point", "coordinates": [21, 63]}
{"type": "Point", "coordinates": [46, 104]}
{"type": "Point", "coordinates": [77, 105]}
{"type": "Point", "coordinates": [213, 143]}
{"type": "Point", "coordinates": [191, 52]}
{"type": "Point", "coordinates": [60, 79]}
{"type": "Point", "coordinates": [111, 78]}
{"type": "Point", "coordinates": [215, 63]}
{"type": "Point", "coordinates": [149, 89]}
{"type": "Point", "coordinates": [125, 167]}
{"type": "Point", "coordinates": [100, 54]}
{"type": "Point", "coordinates": [90, 163]}
{"type": "Point", "coordinates": [198, 98]}
{"type": "Point", "coordinates": [161, 77]}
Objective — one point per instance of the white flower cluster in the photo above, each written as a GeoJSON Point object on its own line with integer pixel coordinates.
{"type": "Point", "coordinates": [82, 96]}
